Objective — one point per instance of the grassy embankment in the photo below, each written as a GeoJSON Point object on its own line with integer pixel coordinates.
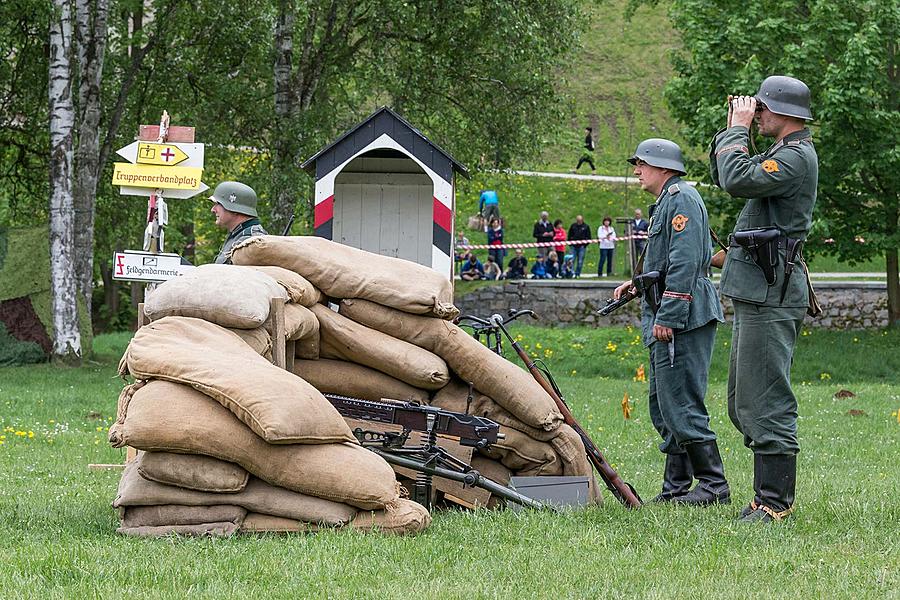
{"type": "Point", "coordinates": [57, 535]}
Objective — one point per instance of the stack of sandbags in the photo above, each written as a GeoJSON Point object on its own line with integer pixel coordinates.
{"type": "Point", "coordinates": [231, 442]}
{"type": "Point", "coordinates": [391, 338]}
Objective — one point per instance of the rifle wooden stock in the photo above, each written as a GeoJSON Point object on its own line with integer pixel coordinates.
{"type": "Point", "coordinates": [621, 490]}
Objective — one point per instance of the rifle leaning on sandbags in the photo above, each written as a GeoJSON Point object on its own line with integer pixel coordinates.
{"type": "Point", "coordinates": [623, 491]}
{"type": "Point", "coordinates": [428, 458]}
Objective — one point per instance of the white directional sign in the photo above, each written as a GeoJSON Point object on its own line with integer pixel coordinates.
{"type": "Point", "coordinates": [157, 157]}
{"type": "Point", "coordinates": [134, 265]}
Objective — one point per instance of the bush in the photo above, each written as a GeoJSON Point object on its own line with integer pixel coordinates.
{"type": "Point", "coordinates": [16, 352]}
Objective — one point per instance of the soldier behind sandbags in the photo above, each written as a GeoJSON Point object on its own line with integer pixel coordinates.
{"type": "Point", "coordinates": [681, 330]}
{"type": "Point", "coordinates": [770, 296]}
{"type": "Point", "coordinates": [234, 205]}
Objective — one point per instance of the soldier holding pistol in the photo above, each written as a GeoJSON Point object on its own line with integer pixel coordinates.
{"type": "Point", "coordinates": [681, 330]}
{"type": "Point", "coordinates": [766, 279]}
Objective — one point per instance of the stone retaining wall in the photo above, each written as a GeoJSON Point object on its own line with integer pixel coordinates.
{"type": "Point", "coordinates": [846, 305]}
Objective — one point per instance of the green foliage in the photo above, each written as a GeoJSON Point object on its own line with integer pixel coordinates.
{"type": "Point", "coordinates": [25, 268]}
{"type": "Point", "coordinates": [15, 352]}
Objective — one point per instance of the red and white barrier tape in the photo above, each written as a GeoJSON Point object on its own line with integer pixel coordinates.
{"type": "Point", "coordinates": [545, 244]}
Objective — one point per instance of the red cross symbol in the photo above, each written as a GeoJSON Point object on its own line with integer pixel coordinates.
{"type": "Point", "coordinates": [168, 154]}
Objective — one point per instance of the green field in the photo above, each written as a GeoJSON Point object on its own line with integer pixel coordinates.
{"type": "Point", "coordinates": [57, 535]}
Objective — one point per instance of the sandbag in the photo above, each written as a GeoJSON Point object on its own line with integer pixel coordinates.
{"type": "Point", "coordinates": [344, 339]}
{"type": "Point", "coordinates": [161, 416]}
{"type": "Point", "coordinates": [299, 322]}
{"type": "Point", "coordinates": [298, 288]}
{"type": "Point", "coordinates": [307, 348]}
{"type": "Point", "coordinates": [455, 397]}
{"type": "Point", "coordinates": [407, 518]}
{"type": "Point", "coordinates": [257, 496]}
{"type": "Point", "coordinates": [340, 271]}
{"type": "Point", "coordinates": [222, 294]}
{"type": "Point", "coordinates": [225, 529]}
{"type": "Point", "coordinates": [279, 406]}
{"type": "Point", "coordinates": [260, 523]}
{"type": "Point", "coordinates": [175, 514]}
{"type": "Point", "coordinates": [523, 455]}
{"type": "Point", "coordinates": [356, 381]}
{"type": "Point", "coordinates": [258, 339]}
{"type": "Point", "coordinates": [495, 471]}
{"type": "Point", "coordinates": [192, 471]}
{"type": "Point", "coordinates": [508, 385]}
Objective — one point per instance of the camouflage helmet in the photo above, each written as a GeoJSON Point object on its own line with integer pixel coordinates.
{"type": "Point", "coordinates": [236, 197]}
{"type": "Point", "coordinates": [785, 96]}
{"type": "Point", "coordinates": [661, 153]}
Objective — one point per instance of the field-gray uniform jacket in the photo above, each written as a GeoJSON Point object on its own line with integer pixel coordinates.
{"type": "Point", "coordinates": [679, 246]}
{"type": "Point", "coordinates": [781, 184]}
{"type": "Point", "coordinates": [245, 230]}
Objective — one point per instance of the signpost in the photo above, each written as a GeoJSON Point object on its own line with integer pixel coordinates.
{"type": "Point", "coordinates": [163, 162]}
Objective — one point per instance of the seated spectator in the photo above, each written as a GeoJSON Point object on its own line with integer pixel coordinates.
{"type": "Point", "coordinates": [473, 270]}
{"type": "Point", "coordinates": [459, 254]}
{"type": "Point", "coordinates": [539, 268]}
{"type": "Point", "coordinates": [516, 268]}
{"type": "Point", "coordinates": [568, 267]}
{"type": "Point", "coordinates": [559, 235]}
{"type": "Point", "coordinates": [552, 265]}
{"type": "Point", "coordinates": [492, 269]}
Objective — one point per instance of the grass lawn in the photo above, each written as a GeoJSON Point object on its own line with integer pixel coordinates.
{"type": "Point", "coordinates": [57, 535]}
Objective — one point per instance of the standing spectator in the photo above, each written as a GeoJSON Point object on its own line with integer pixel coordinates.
{"type": "Point", "coordinates": [516, 268]}
{"type": "Point", "coordinates": [459, 254]}
{"type": "Point", "coordinates": [495, 238]}
{"type": "Point", "coordinates": [579, 230]}
{"type": "Point", "coordinates": [473, 270]}
{"type": "Point", "coordinates": [607, 236]}
{"type": "Point", "coordinates": [539, 268]}
{"type": "Point", "coordinates": [543, 232]}
{"type": "Point", "coordinates": [559, 235]}
{"type": "Point", "coordinates": [492, 270]}
{"type": "Point", "coordinates": [568, 267]}
{"type": "Point", "coordinates": [552, 265]}
{"type": "Point", "coordinates": [639, 227]}
{"type": "Point", "coordinates": [587, 155]}
{"type": "Point", "coordinates": [489, 205]}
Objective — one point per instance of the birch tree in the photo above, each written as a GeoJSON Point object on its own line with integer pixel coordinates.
{"type": "Point", "coordinates": [66, 336]}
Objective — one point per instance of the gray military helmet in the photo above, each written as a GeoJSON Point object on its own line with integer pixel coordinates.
{"type": "Point", "coordinates": [785, 96]}
{"type": "Point", "coordinates": [661, 153]}
{"type": "Point", "coordinates": [236, 197]}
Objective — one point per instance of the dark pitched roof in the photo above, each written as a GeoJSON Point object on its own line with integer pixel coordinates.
{"type": "Point", "coordinates": [384, 120]}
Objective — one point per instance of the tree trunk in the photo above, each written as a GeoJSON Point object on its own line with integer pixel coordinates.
{"type": "Point", "coordinates": [90, 39]}
{"type": "Point", "coordinates": [66, 335]}
{"type": "Point", "coordinates": [893, 287]}
{"type": "Point", "coordinates": [282, 205]}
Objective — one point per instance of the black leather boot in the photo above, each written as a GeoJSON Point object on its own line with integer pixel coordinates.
{"type": "Point", "coordinates": [677, 478]}
{"type": "Point", "coordinates": [775, 489]}
{"type": "Point", "coordinates": [711, 488]}
{"type": "Point", "coordinates": [757, 472]}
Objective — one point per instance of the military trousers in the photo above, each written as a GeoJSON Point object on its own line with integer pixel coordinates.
{"type": "Point", "coordinates": [677, 394]}
{"type": "Point", "coordinates": [761, 403]}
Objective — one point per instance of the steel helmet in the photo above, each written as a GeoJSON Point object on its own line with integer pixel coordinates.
{"type": "Point", "coordinates": [785, 96]}
{"type": "Point", "coordinates": [661, 153]}
{"type": "Point", "coordinates": [236, 197]}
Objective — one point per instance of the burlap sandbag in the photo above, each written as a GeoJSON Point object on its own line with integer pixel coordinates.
{"type": "Point", "coordinates": [340, 271]}
{"type": "Point", "coordinates": [260, 523]}
{"type": "Point", "coordinates": [225, 529]}
{"type": "Point", "coordinates": [176, 514]}
{"type": "Point", "coordinates": [166, 417]}
{"type": "Point", "coordinates": [231, 297]}
{"type": "Point", "coordinates": [192, 471]}
{"type": "Point", "coordinates": [406, 519]}
{"type": "Point", "coordinates": [257, 496]}
{"type": "Point", "coordinates": [356, 381]}
{"type": "Point", "coordinates": [523, 455]}
{"type": "Point", "coordinates": [344, 339]}
{"type": "Point", "coordinates": [307, 348]}
{"type": "Point", "coordinates": [510, 386]}
{"type": "Point", "coordinates": [298, 288]}
{"type": "Point", "coordinates": [299, 322]}
{"type": "Point", "coordinates": [279, 406]}
{"type": "Point", "coordinates": [455, 397]}
{"type": "Point", "coordinates": [258, 339]}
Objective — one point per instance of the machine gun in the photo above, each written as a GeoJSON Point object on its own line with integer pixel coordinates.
{"type": "Point", "coordinates": [428, 459]}
{"type": "Point", "coordinates": [646, 283]}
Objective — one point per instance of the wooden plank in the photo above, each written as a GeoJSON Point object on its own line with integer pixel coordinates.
{"type": "Point", "coordinates": [289, 348]}
{"type": "Point", "coordinates": [275, 327]}
{"type": "Point", "coordinates": [348, 208]}
{"type": "Point", "coordinates": [425, 224]}
{"type": "Point", "coordinates": [408, 206]}
{"type": "Point", "coordinates": [177, 133]}
{"type": "Point", "coordinates": [391, 222]}
{"type": "Point", "coordinates": [370, 217]}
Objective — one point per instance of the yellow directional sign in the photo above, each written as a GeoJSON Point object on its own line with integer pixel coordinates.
{"type": "Point", "coordinates": [149, 153]}
{"type": "Point", "coordinates": [154, 176]}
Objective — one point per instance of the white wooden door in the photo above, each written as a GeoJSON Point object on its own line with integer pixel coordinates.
{"type": "Point", "coordinates": [387, 213]}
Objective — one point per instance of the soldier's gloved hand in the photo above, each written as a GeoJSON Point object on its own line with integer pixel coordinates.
{"type": "Point", "coordinates": [743, 109]}
{"type": "Point", "coordinates": [622, 289]}
{"type": "Point", "coordinates": [663, 334]}
{"type": "Point", "coordinates": [718, 259]}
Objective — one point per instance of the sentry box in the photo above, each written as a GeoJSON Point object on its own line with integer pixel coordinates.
{"type": "Point", "coordinates": [386, 188]}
